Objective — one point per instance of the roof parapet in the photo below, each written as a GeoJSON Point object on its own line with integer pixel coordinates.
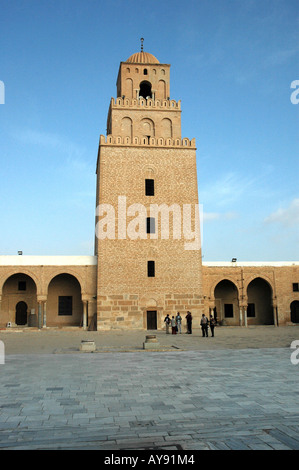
{"type": "Point", "coordinates": [145, 103]}
{"type": "Point", "coordinates": [147, 142]}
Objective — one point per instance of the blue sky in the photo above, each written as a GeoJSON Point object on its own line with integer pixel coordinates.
{"type": "Point", "coordinates": [232, 65]}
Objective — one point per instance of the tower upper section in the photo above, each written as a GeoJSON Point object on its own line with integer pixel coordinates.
{"type": "Point", "coordinates": [143, 111]}
{"type": "Point", "coordinates": [142, 76]}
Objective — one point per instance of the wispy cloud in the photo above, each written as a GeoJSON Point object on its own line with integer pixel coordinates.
{"type": "Point", "coordinates": [287, 217]}
{"type": "Point", "coordinates": [227, 189]}
{"type": "Point", "coordinates": [73, 154]}
{"type": "Point", "coordinates": [49, 140]}
{"type": "Point", "coordinates": [211, 216]}
{"type": "Point", "coordinates": [280, 57]}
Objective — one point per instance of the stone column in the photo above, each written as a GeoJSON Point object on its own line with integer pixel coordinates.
{"type": "Point", "coordinates": [85, 302]}
{"type": "Point", "coordinates": [45, 315]}
{"type": "Point", "coordinates": [39, 314]}
{"type": "Point", "coordinates": [245, 316]}
{"type": "Point", "coordinates": [275, 312]}
{"type": "Point", "coordinates": [241, 316]}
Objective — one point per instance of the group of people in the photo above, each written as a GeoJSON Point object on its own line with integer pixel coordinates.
{"type": "Point", "coordinates": [176, 324]}
{"type": "Point", "coordinates": [206, 324]}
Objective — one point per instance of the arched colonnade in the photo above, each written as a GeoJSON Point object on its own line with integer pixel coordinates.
{"type": "Point", "coordinates": [243, 303]}
{"type": "Point", "coordinates": [45, 299]}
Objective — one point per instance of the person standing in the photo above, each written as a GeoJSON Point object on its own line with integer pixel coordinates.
{"type": "Point", "coordinates": [173, 325]}
{"type": "Point", "coordinates": [212, 324]}
{"type": "Point", "coordinates": [167, 323]}
{"type": "Point", "coordinates": [204, 325]}
{"type": "Point", "coordinates": [178, 319]}
{"type": "Point", "coordinates": [189, 323]}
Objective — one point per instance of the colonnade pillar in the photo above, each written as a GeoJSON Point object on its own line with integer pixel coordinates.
{"type": "Point", "coordinates": [85, 310]}
{"type": "Point", "coordinates": [41, 316]}
{"type": "Point", "coordinates": [45, 315]}
{"type": "Point", "coordinates": [275, 311]}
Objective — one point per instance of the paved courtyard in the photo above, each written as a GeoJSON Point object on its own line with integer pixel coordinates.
{"type": "Point", "coordinates": [238, 390]}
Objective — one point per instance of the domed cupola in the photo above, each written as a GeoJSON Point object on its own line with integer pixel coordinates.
{"type": "Point", "coordinates": [143, 76]}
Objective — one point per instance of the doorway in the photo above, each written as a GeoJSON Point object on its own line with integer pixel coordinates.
{"type": "Point", "coordinates": [295, 311]}
{"type": "Point", "coordinates": [151, 318]}
{"type": "Point", "coordinates": [21, 313]}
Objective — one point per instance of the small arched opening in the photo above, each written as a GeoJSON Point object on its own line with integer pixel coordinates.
{"type": "Point", "coordinates": [145, 90]}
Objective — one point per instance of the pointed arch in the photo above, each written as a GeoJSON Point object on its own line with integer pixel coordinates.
{"type": "Point", "coordinates": [260, 302]}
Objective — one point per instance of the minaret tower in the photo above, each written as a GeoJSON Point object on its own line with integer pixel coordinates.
{"type": "Point", "coordinates": [147, 223]}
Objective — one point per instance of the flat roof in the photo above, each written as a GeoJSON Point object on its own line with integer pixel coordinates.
{"type": "Point", "coordinates": [250, 263]}
{"type": "Point", "coordinates": [27, 260]}
{"type": "Point", "coordinates": [52, 260]}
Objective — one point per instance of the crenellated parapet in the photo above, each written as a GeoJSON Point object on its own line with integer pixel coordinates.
{"type": "Point", "coordinates": [147, 142]}
{"type": "Point", "coordinates": [145, 103]}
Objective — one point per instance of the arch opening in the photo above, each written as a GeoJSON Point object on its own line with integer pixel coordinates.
{"type": "Point", "coordinates": [64, 302]}
{"type": "Point", "coordinates": [19, 301]}
{"type": "Point", "coordinates": [226, 309]}
{"type": "Point", "coordinates": [145, 90]}
{"type": "Point", "coordinates": [260, 309]}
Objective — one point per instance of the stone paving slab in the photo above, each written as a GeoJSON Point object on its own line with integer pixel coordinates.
{"type": "Point", "coordinates": [190, 400]}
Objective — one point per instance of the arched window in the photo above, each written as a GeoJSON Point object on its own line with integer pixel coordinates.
{"type": "Point", "coordinates": [144, 71]}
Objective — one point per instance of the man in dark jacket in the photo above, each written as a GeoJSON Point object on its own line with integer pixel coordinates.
{"type": "Point", "coordinates": [189, 323]}
{"type": "Point", "coordinates": [167, 323]}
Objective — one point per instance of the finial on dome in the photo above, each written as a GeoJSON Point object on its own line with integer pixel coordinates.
{"type": "Point", "coordinates": [141, 39]}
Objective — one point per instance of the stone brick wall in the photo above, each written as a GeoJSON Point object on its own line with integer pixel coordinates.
{"type": "Point", "coordinates": [122, 263]}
